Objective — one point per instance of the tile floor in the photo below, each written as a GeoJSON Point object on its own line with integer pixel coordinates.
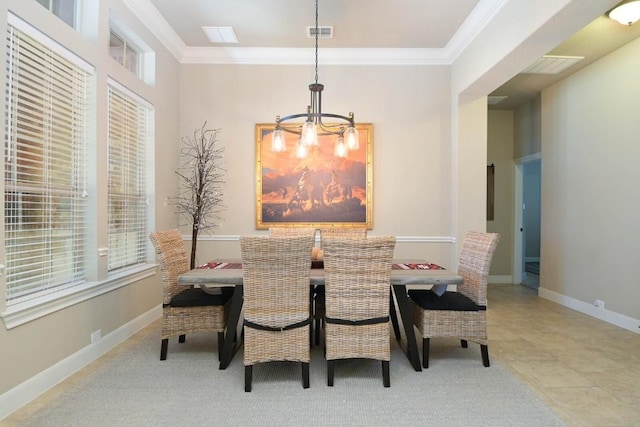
{"type": "Point", "coordinates": [586, 370]}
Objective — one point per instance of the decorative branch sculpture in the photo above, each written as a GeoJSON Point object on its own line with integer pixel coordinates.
{"type": "Point", "coordinates": [202, 177]}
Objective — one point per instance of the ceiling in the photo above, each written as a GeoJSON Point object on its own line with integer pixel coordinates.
{"type": "Point", "coordinates": [380, 24]}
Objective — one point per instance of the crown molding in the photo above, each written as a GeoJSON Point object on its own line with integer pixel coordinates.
{"type": "Point", "coordinates": [155, 22]}
{"type": "Point", "coordinates": [483, 13]}
{"type": "Point", "coordinates": [146, 12]}
{"type": "Point", "coordinates": [304, 56]}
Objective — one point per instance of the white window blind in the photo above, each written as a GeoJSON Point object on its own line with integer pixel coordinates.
{"type": "Point", "coordinates": [130, 130]}
{"type": "Point", "coordinates": [44, 181]}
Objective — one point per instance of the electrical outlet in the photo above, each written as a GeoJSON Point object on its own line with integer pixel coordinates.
{"type": "Point", "coordinates": [95, 336]}
{"type": "Point", "coordinates": [598, 304]}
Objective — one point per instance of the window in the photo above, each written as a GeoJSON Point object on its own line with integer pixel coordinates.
{"type": "Point", "coordinates": [124, 53]}
{"type": "Point", "coordinates": [130, 133]}
{"type": "Point", "coordinates": [44, 181]}
{"type": "Point", "coordinates": [131, 51]}
{"type": "Point", "coordinates": [63, 9]}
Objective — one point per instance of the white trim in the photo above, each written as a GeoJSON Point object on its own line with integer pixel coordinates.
{"type": "Point", "coordinates": [27, 311]}
{"type": "Point", "coordinates": [24, 393]}
{"type": "Point", "coordinates": [112, 82]}
{"type": "Point", "coordinates": [304, 56]}
{"type": "Point", "coordinates": [481, 15]}
{"type": "Point", "coordinates": [399, 239]}
{"type": "Point", "coordinates": [150, 17]}
{"type": "Point", "coordinates": [528, 158]}
{"type": "Point", "coordinates": [49, 43]}
{"type": "Point", "coordinates": [625, 322]}
{"type": "Point", "coordinates": [146, 12]}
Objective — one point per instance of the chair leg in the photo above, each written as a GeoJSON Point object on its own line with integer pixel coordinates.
{"type": "Point", "coordinates": [163, 349]}
{"type": "Point", "coordinates": [386, 380]}
{"type": "Point", "coordinates": [220, 343]}
{"type": "Point", "coordinates": [305, 374]}
{"type": "Point", "coordinates": [311, 339]}
{"type": "Point", "coordinates": [311, 315]}
{"type": "Point", "coordinates": [394, 317]}
{"type": "Point", "coordinates": [182, 338]}
{"type": "Point", "coordinates": [248, 371]}
{"type": "Point", "coordinates": [318, 324]}
{"type": "Point", "coordinates": [331, 364]}
{"type": "Point", "coordinates": [425, 353]}
{"type": "Point", "coordinates": [464, 343]}
{"type": "Point", "coordinates": [484, 349]}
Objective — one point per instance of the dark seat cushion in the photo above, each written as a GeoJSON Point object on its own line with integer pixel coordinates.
{"type": "Point", "coordinates": [448, 301]}
{"type": "Point", "coordinates": [196, 297]}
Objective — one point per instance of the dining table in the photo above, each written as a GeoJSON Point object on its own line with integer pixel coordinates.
{"type": "Point", "coordinates": [404, 273]}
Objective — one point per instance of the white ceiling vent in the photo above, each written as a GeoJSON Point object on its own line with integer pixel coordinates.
{"type": "Point", "coordinates": [323, 32]}
{"type": "Point", "coordinates": [220, 34]}
{"type": "Point", "coordinates": [551, 64]}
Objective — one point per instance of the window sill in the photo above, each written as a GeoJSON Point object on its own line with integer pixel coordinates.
{"type": "Point", "coordinates": [28, 311]}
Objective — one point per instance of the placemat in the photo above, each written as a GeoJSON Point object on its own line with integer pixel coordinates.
{"type": "Point", "coordinates": [421, 266]}
{"type": "Point", "coordinates": [213, 264]}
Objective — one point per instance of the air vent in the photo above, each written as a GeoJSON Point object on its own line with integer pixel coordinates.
{"type": "Point", "coordinates": [496, 99]}
{"type": "Point", "coordinates": [550, 64]}
{"type": "Point", "coordinates": [323, 32]}
{"type": "Point", "coordinates": [220, 34]}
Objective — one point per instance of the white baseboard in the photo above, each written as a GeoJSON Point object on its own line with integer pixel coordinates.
{"type": "Point", "coordinates": [24, 393]}
{"type": "Point", "coordinates": [625, 322]}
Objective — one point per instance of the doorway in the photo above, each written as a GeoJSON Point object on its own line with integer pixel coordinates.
{"type": "Point", "coordinates": [527, 221]}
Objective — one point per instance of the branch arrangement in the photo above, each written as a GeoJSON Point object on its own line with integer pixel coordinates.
{"type": "Point", "coordinates": [202, 177]}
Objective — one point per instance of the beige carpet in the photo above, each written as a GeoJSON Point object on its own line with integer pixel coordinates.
{"type": "Point", "coordinates": [134, 388]}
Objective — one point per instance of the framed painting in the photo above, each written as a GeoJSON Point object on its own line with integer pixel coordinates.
{"type": "Point", "coordinates": [319, 191]}
{"type": "Point", "coordinates": [491, 176]}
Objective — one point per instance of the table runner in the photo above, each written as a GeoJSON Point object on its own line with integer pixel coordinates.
{"type": "Point", "coordinates": [395, 266]}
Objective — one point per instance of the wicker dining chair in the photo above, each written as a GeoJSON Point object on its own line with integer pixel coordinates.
{"type": "Point", "coordinates": [292, 231]}
{"type": "Point", "coordinates": [318, 292]}
{"type": "Point", "coordinates": [461, 314]}
{"type": "Point", "coordinates": [276, 276]}
{"type": "Point", "coordinates": [185, 310]}
{"type": "Point", "coordinates": [357, 291]}
{"type": "Point", "coordinates": [299, 231]}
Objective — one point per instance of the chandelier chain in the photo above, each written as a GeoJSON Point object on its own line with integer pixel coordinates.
{"type": "Point", "coordinates": [317, 41]}
{"type": "Point", "coordinates": [344, 130]}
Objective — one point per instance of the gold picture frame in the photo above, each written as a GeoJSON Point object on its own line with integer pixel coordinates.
{"type": "Point", "coordinates": [319, 191]}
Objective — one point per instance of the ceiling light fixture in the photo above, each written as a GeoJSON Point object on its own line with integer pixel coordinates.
{"type": "Point", "coordinates": [626, 13]}
{"type": "Point", "coordinates": [344, 130]}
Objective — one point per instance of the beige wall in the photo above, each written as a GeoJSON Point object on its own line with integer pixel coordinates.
{"type": "Point", "coordinates": [430, 156]}
{"type": "Point", "coordinates": [590, 176]}
{"type": "Point", "coordinates": [40, 344]}
{"type": "Point", "coordinates": [411, 140]}
{"type": "Point", "coordinates": [500, 154]}
{"type": "Point", "coordinates": [527, 129]}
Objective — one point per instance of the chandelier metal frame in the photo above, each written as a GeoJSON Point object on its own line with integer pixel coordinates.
{"type": "Point", "coordinates": [314, 112]}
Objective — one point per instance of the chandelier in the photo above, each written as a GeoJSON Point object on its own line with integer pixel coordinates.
{"type": "Point", "coordinates": [343, 128]}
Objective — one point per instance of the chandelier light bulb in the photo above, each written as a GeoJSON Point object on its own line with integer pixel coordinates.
{"type": "Point", "coordinates": [340, 149]}
{"type": "Point", "coordinates": [278, 141]}
{"type": "Point", "coordinates": [309, 134]}
{"type": "Point", "coordinates": [301, 150]}
{"type": "Point", "coordinates": [352, 137]}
